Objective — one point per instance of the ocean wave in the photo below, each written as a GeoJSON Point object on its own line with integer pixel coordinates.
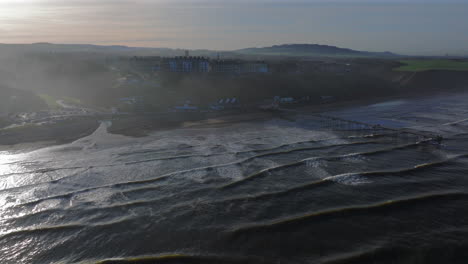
{"type": "Point", "coordinates": [255, 151]}
{"type": "Point", "coordinates": [63, 227]}
{"type": "Point", "coordinates": [208, 168]}
{"type": "Point", "coordinates": [384, 251]}
{"type": "Point", "coordinates": [188, 259]}
{"type": "Point", "coordinates": [304, 161]}
{"type": "Point", "coordinates": [340, 178]}
{"type": "Point", "coordinates": [168, 175]}
{"type": "Point", "coordinates": [345, 211]}
{"type": "Point", "coordinates": [40, 171]}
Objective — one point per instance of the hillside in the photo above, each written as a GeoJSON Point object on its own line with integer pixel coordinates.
{"type": "Point", "coordinates": [16, 100]}
{"type": "Point", "coordinates": [278, 50]}
{"type": "Point", "coordinates": [311, 50]}
{"type": "Point", "coordinates": [9, 50]}
{"type": "Point", "coordinates": [433, 64]}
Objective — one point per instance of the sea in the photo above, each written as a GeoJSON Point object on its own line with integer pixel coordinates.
{"type": "Point", "coordinates": [380, 183]}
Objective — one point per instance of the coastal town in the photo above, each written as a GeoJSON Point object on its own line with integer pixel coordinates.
{"type": "Point", "coordinates": [175, 87]}
{"type": "Point", "coordinates": [151, 71]}
{"type": "Point", "coordinates": [197, 64]}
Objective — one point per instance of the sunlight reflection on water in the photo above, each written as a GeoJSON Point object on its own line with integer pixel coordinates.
{"type": "Point", "coordinates": [9, 164]}
{"type": "Point", "coordinates": [5, 159]}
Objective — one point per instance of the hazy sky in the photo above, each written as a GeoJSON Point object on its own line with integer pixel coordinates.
{"type": "Point", "coordinates": [408, 27]}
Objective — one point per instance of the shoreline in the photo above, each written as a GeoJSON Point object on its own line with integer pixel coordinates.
{"type": "Point", "coordinates": [29, 138]}
{"type": "Point", "coordinates": [32, 137]}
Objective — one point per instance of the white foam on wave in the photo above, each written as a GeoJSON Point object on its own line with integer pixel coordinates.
{"type": "Point", "coordinates": [355, 159]}
{"type": "Point", "coordinates": [389, 103]}
{"type": "Point", "coordinates": [317, 169]}
{"type": "Point", "coordinates": [101, 197]}
{"type": "Point", "coordinates": [349, 179]}
{"type": "Point", "coordinates": [198, 176]}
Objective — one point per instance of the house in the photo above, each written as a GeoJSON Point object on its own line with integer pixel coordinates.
{"type": "Point", "coordinates": [226, 66]}
{"type": "Point", "coordinates": [237, 66]}
{"type": "Point", "coordinates": [227, 103]}
{"type": "Point", "coordinates": [186, 64]}
{"type": "Point", "coordinates": [187, 106]}
{"type": "Point", "coordinates": [283, 100]}
{"type": "Point", "coordinates": [197, 64]}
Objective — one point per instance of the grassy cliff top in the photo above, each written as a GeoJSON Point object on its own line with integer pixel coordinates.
{"type": "Point", "coordinates": [433, 64]}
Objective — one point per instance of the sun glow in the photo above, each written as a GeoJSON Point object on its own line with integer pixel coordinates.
{"type": "Point", "coordinates": [5, 166]}
{"type": "Point", "coordinates": [20, 20]}
{"type": "Point", "coordinates": [16, 9]}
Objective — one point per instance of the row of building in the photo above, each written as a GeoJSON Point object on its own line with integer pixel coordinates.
{"type": "Point", "coordinates": [189, 64]}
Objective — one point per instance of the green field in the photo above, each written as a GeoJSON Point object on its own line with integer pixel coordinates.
{"type": "Point", "coordinates": [49, 100]}
{"type": "Point", "coordinates": [434, 64]}
{"type": "Point", "coordinates": [71, 100]}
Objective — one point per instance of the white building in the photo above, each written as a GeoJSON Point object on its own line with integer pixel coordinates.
{"type": "Point", "coordinates": [186, 64]}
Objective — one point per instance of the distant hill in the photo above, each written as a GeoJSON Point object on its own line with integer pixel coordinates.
{"type": "Point", "coordinates": [78, 48]}
{"type": "Point", "coordinates": [278, 50]}
{"type": "Point", "coordinates": [311, 50]}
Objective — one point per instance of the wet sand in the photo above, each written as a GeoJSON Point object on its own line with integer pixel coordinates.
{"type": "Point", "coordinates": [143, 125]}
{"type": "Point", "coordinates": [31, 137]}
